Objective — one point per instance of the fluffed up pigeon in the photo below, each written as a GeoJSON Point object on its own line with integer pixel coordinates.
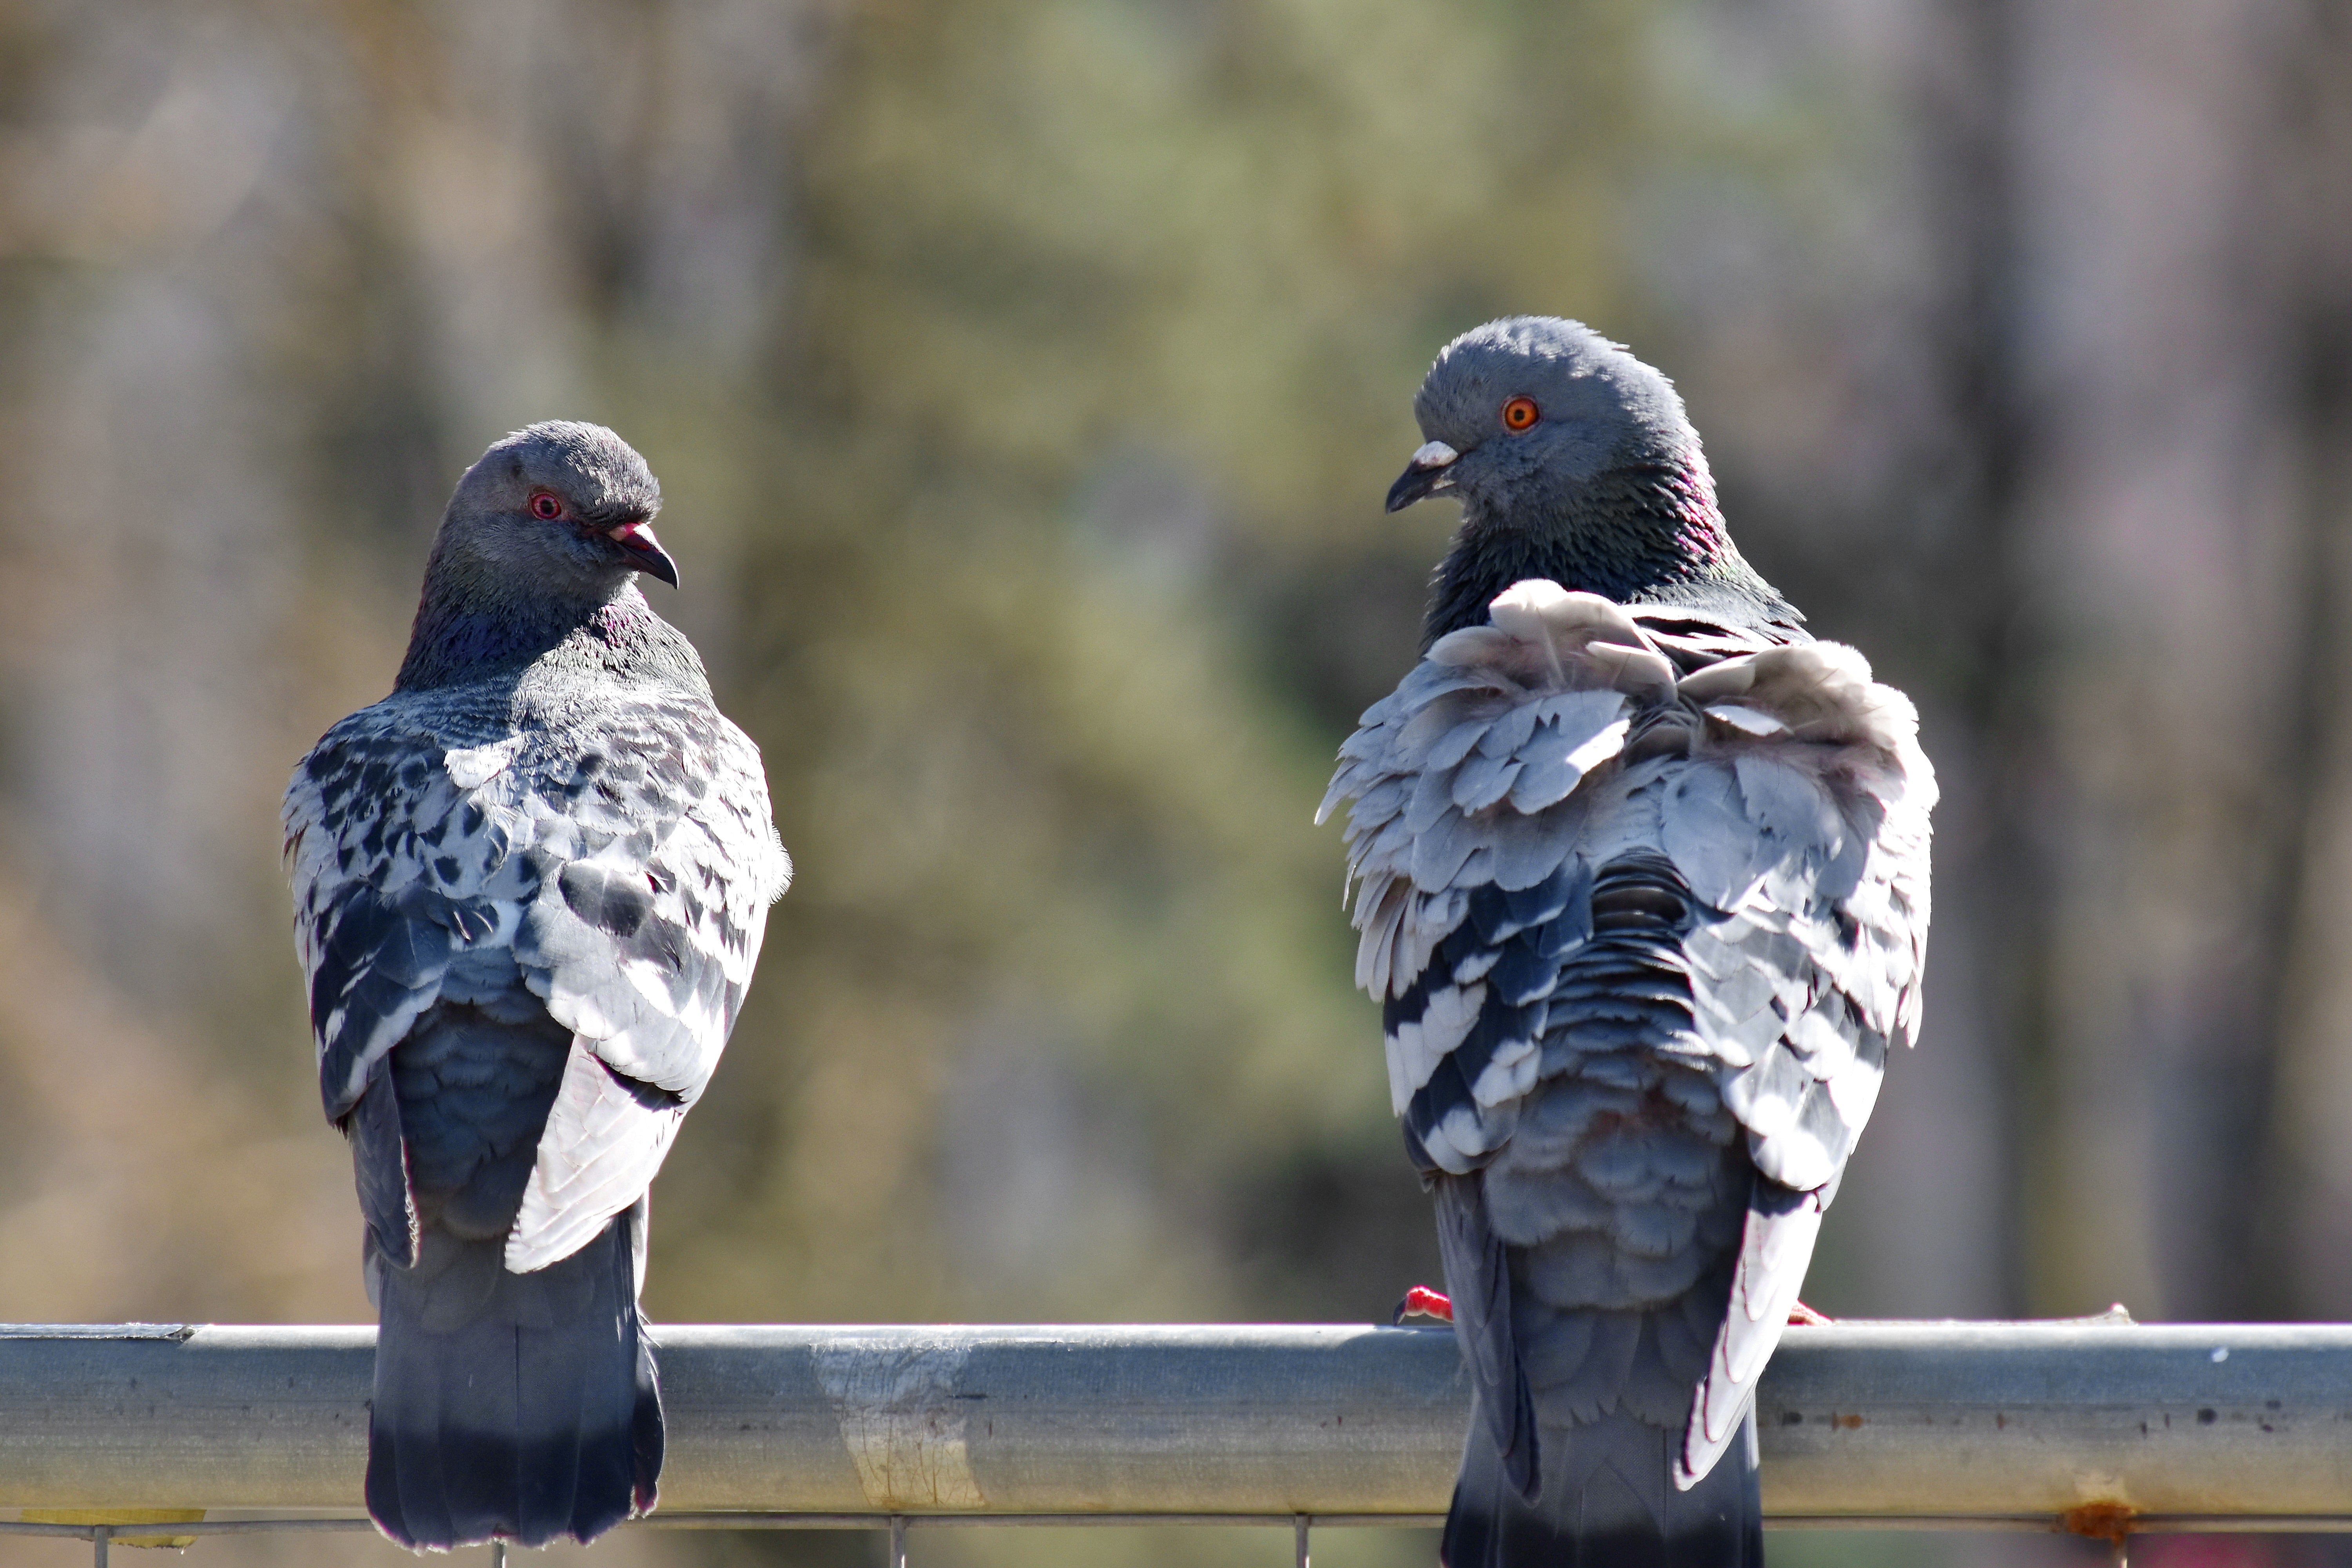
{"type": "Point", "coordinates": [529, 891]}
{"type": "Point", "coordinates": [1645, 901]}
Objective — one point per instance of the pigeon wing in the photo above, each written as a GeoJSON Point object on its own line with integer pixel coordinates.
{"type": "Point", "coordinates": [400, 861]}
{"type": "Point", "coordinates": [658, 858]}
{"type": "Point", "coordinates": [400, 854]}
{"type": "Point", "coordinates": [1802, 827]}
{"type": "Point", "coordinates": [1477, 1278]}
{"type": "Point", "coordinates": [1483, 791]}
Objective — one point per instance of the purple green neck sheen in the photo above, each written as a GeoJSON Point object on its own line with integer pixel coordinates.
{"type": "Point", "coordinates": [460, 636]}
{"type": "Point", "coordinates": [1645, 534]}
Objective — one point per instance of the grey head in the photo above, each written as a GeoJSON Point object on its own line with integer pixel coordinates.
{"type": "Point", "coordinates": [1572, 461]}
{"type": "Point", "coordinates": [543, 543]}
{"type": "Point", "coordinates": [1522, 414]}
{"type": "Point", "coordinates": [560, 508]}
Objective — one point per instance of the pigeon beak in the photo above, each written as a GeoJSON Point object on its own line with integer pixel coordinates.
{"type": "Point", "coordinates": [1424, 477]}
{"type": "Point", "coordinates": [645, 551]}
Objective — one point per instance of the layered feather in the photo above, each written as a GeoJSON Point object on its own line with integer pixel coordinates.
{"type": "Point", "coordinates": [1644, 899]}
{"type": "Point", "coordinates": [599, 855]}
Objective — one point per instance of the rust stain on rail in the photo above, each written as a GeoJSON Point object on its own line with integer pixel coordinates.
{"type": "Point", "coordinates": [2107, 1521]}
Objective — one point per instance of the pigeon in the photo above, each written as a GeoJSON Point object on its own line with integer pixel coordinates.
{"type": "Point", "coordinates": [1642, 880]}
{"type": "Point", "coordinates": [530, 887]}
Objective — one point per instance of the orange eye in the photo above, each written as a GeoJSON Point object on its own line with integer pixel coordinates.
{"type": "Point", "coordinates": [1520, 414]}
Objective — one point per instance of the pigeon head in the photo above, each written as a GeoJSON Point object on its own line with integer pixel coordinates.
{"type": "Point", "coordinates": [539, 553]}
{"type": "Point", "coordinates": [1524, 414]}
{"type": "Point", "coordinates": [1572, 461]}
{"type": "Point", "coordinates": [560, 508]}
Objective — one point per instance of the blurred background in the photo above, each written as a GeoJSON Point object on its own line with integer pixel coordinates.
{"type": "Point", "coordinates": [1023, 377]}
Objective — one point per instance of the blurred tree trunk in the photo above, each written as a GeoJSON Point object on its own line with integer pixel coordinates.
{"type": "Point", "coordinates": [2178, 410]}
{"type": "Point", "coordinates": [2075, 476]}
{"type": "Point", "coordinates": [1944, 1175]}
{"type": "Point", "coordinates": [2304, 1227]}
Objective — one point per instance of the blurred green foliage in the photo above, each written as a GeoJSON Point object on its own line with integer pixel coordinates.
{"type": "Point", "coordinates": [1105, 322]}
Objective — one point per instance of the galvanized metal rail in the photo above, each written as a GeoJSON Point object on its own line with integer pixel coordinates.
{"type": "Point", "coordinates": [2104, 1427]}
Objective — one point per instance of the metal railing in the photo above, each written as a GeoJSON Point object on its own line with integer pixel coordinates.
{"type": "Point", "coordinates": [2104, 1427]}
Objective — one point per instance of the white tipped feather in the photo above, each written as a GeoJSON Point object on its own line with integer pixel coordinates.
{"type": "Point", "coordinates": [598, 1155]}
{"type": "Point", "coordinates": [492, 830]}
{"type": "Point", "coordinates": [1746, 720]}
{"type": "Point", "coordinates": [1787, 791]}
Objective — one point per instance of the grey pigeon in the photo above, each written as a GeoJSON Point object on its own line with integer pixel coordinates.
{"type": "Point", "coordinates": [1645, 900]}
{"type": "Point", "coordinates": [529, 890]}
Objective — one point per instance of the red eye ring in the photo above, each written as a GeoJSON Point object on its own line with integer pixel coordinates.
{"type": "Point", "coordinates": [545, 507]}
{"type": "Point", "coordinates": [1520, 414]}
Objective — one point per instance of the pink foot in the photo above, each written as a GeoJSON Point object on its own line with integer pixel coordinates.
{"type": "Point", "coordinates": [1801, 1314]}
{"type": "Point", "coordinates": [1420, 1302]}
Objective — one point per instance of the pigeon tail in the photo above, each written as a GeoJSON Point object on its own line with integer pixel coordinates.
{"type": "Point", "coordinates": [509, 1406]}
{"type": "Point", "coordinates": [1608, 1500]}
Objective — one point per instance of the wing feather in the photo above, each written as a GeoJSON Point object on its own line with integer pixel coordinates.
{"type": "Point", "coordinates": [624, 860]}
{"type": "Point", "coordinates": [1767, 804]}
{"type": "Point", "coordinates": [605, 1139]}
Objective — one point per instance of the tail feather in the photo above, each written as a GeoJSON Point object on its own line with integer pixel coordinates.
{"type": "Point", "coordinates": [513, 1407]}
{"type": "Point", "coordinates": [1608, 1500]}
{"type": "Point", "coordinates": [647, 1438]}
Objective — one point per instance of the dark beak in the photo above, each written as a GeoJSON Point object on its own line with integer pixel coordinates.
{"type": "Point", "coordinates": [645, 551]}
{"type": "Point", "coordinates": [1430, 471]}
